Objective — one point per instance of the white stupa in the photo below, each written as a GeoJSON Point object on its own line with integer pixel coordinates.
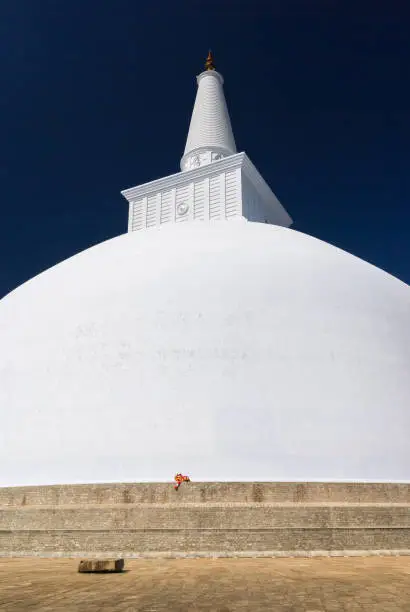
{"type": "Point", "coordinates": [210, 339]}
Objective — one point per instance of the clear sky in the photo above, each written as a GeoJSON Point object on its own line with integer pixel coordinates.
{"type": "Point", "coordinates": [96, 96]}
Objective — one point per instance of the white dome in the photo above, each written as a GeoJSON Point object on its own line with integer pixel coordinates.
{"type": "Point", "coordinates": [227, 351]}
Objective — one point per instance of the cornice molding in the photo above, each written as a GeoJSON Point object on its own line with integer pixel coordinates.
{"type": "Point", "coordinates": [168, 182]}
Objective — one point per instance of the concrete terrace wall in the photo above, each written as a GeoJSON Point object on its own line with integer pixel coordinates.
{"type": "Point", "coordinates": [133, 543]}
{"type": "Point", "coordinates": [217, 517]}
{"type": "Point", "coordinates": [205, 519]}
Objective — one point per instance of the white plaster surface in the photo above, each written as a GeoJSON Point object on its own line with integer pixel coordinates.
{"type": "Point", "coordinates": [227, 351]}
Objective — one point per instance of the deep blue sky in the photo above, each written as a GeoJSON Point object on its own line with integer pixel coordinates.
{"type": "Point", "coordinates": [96, 96]}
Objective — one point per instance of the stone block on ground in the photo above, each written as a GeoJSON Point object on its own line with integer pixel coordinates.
{"type": "Point", "coordinates": [101, 565]}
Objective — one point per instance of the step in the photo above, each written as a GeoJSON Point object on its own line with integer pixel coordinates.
{"type": "Point", "coordinates": [205, 492]}
{"type": "Point", "coordinates": [199, 542]}
{"type": "Point", "coordinates": [206, 516]}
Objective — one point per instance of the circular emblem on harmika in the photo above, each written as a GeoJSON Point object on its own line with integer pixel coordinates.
{"type": "Point", "coordinates": [182, 208]}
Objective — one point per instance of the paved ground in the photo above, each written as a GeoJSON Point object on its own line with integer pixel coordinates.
{"type": "Point", "coordinates": [221, 585]}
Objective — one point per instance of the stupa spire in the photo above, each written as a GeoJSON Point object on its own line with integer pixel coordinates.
{"type": "Point", "coordinates": [209, 64]}
{"type": "Point", "coordinates": [210, 135]}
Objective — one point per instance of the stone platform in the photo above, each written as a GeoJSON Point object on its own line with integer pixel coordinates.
{"type": "Point", "coordinates": [205, 519]}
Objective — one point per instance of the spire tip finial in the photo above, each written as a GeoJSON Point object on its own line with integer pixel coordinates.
{"type": "Point", "coordinates": [209, 64]}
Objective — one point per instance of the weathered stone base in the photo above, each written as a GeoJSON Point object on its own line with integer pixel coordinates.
{"type": "Point", "coordinates": [101, 565]}
{"type": "Point", "coordinates": [205, 520]}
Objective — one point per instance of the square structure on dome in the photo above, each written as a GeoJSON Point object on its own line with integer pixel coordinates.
{"type": "Point", "coordinates": [226, 189]}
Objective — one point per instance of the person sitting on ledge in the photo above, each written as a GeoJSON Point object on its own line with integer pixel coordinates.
{"type": "Point", "coordinates": [179, 478]}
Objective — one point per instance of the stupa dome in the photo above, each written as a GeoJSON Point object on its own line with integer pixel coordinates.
{"type": "Point", "coordinates": [227, 350]}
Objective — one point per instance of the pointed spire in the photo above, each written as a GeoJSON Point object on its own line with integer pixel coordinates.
{"type": "Point", "coordinates": [210, 135]}
{"type": "Point", "coordinates": [209, 64]}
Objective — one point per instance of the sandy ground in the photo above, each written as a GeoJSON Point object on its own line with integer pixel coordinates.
{"type": "Point", "coordinates": [372, 583]}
